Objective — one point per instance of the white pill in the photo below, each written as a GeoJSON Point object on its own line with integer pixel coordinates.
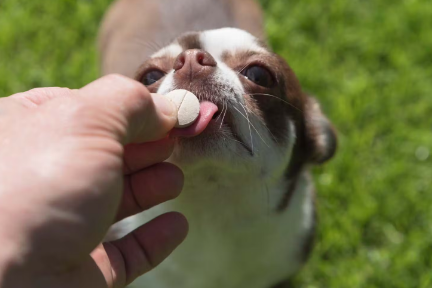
{"type": "Point", "coordinates": [187, 105]}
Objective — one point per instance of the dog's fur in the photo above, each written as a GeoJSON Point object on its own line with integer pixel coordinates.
{"type": "Point", "coordinates": [248, 195]}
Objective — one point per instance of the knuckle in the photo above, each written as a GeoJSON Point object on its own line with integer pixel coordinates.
{"type": "Point", "coordinates": [138, 90]}
{"type": "Point", "coordinates": [116, 78]}
{"type": "Point", "coordinates": [131, 88]}
{"type": "Point", "coordinates": [81, 109]}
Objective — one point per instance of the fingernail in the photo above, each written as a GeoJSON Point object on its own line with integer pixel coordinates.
{"type": "Point", "coordinates": [164, 105]}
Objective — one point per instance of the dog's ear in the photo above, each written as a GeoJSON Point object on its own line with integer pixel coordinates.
{"type": "Point", "coordinates": [320, 135]}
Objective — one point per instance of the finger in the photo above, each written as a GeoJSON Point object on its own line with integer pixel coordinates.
{"type": "Point", "coordinates": [150, 187]}
{"type": "Point", "coordinates": [144, 117]}
{"type": "Point", "coordinates": [143, 249]}
{"type": "Point", "coordinates": [139, 156]}
{"type": "Point", "coordinates": [36, 97]}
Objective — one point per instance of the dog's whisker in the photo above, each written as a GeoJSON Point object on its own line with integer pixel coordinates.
{"type": "Point", "coordinates": [153, 45]}
{"type": "Point", "coordinates": [223, 107]}
{"type": "Point", "coordinates": [256, 130]}
{"type": "Point", "coordinates": [223, 118]}
{"type": "Point", "coordinates": [264, 124]}
{"type": "Point", "coordinates": [274, 96]}
{"type": "Point", "coordinates": [249, 124]}
{"type": "Point", "coordinates": [241, 70]}
{"type": "Point", "coordinates": [232, 139]}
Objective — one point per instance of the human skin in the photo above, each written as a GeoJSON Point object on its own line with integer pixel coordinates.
{"type": "Point", "coordinates": [72, 163]}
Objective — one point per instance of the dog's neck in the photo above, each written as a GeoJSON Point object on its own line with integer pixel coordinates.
{"type": "Point", "coordinates": [234, 213]}
{"type": "Point", "coordinates": [242, 192]}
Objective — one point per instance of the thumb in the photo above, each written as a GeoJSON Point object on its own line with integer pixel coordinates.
{"type": "Point", "coordinates": [144, 117]}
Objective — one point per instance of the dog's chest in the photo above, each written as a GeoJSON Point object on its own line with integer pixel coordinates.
{"type": "Point", "coordinates": [236, 238]}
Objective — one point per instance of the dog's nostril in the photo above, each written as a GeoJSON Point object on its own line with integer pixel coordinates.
{"type": "Point", "coordinates": [205, 59]}
{"type": "Point", "coordinates": [200, 59]}
{"type": "Point", "coordinates": [194, 59]}
{"type": "Point", "coordinates": [180, 62]}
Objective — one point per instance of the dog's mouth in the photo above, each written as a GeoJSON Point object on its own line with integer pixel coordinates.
{"type": "Point", "coordinates": [214, 122]}
{"type": "Point", "coordinates": [208, 113]}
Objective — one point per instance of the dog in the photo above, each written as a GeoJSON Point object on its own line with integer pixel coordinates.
{"type": "Point", "coordinates": [248, 194]}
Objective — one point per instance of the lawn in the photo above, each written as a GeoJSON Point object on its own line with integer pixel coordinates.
{"type": "Point", "coordinates": [369, 63]}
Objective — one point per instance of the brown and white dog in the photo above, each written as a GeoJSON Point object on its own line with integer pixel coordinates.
{"type": "Point", "coordinates": [248, 195]}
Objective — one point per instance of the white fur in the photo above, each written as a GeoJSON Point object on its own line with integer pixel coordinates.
{"type": "Point", "coordinates": [216, 42]}
{"type": "Point", "coordinates": [167, 84]}
{"type": "Point", "coordinates": [237, 238]}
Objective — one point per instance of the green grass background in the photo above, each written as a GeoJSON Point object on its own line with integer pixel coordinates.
{"type": "Point", "coordinates": [369, 63]}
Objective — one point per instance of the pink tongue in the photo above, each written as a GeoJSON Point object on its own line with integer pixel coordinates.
{"type": "Point", "coordinates": [207, 111]}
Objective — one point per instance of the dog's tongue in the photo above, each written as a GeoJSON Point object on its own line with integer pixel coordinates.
{"type": "Point", "coordinates": [207, 111]}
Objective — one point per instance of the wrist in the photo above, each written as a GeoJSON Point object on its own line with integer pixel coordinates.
{"type": "Point", "coordinates": [16, 272]}
{"type": "Point", "coordinates": [16, 269]}
{"type": "Point", "coordinates": [13, 270]}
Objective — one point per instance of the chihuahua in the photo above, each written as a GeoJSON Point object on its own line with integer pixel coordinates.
{"type": "Point", "coordinates": [248, 194]}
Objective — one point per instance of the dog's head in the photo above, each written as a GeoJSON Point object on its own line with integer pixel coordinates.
{"type": "Point", "coordinates": [252, 107]}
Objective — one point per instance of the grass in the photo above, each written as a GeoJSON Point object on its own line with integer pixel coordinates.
{"type": "Point", "coordinates": [369, 63]}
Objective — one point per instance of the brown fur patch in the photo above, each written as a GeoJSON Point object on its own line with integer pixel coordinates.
{"type": "Point", "coordinates": [190, 41]}
{"type": "Point", "coordinates": [164, 64]}
{"type": "Point", "coordinates": [275, 105]}
{"type": "Point", "coordinates": [286, 199]}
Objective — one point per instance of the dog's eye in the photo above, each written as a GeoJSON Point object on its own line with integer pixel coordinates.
{"type": "Point", "coordinates": [152, 77]}
{"type": "Point", "coordinates": [259, 75]}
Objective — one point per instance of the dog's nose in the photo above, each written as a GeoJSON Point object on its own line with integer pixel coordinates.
{"type": "Point", "coordinates": [194, 61]}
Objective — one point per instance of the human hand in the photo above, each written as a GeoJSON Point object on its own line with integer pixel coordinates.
{"type": "Point", "coordinates": [65, 178]}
